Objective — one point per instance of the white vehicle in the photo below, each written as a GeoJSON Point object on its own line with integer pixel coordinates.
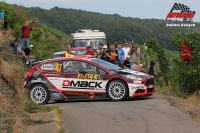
{"type": "Point", "coordinates": [85, 37]}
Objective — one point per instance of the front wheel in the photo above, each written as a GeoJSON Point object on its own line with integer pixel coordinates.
{"type": "Point", "coordinates": [117, 90]}
{"type": "Point", "coordinates": [39, 94]}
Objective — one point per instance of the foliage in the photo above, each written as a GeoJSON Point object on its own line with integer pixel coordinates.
{"type": "Point", "coordinates": [188, 71]}
{"type": "Point", "coordinates": [10, 13]}
{"type": "Point", "coordinates": [115, 26]}
{"type": "Point", "coordinates": [162, 58]}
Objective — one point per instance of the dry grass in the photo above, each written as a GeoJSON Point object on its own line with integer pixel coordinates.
{"type": "Point", "coordinates": [194, 98]}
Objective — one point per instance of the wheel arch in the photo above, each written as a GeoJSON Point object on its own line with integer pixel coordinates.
{"type": "Point", "coordinates": [37, 84]}
{"type": "Point", "coordinates": [117, 78]}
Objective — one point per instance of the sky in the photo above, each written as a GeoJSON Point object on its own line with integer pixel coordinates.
{"type": "Point", "coordinates": [148, 9]}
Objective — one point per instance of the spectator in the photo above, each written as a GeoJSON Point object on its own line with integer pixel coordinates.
{"type": "Point", "coordinates": [143, 69]}
{"type": "Point", "coordinates": [112, 54]}
{"type": "Point", "coordinates": [27, 51]}
{"type": "Point", "coordinates": [26, 29]}
{"type": "Point", "coordinates": [103, 54]}
{"type": "Point", "coordinates": [134, 53]}
{"type": "Point", "coordinates": [95, 54]}
{"type": "Point", "coordinates": [89, 50]}
{"type": "Point", "coordinates": [100, 48]}
{"type": "Point", "coordinates": [21, 52]}
{"type": "Point", "coordinates": [136, 66]}
{"type": "Point", "coordinates": [126, 49]}
{"type": "Point", "coordinates": [126, 63]}
{"type": "Point", "coordinates": [152, 70]}
{"type": "Point", "coordinates": [117, 63]}
{"type": "Point", "coordinates": [120, 54]}
{"type": "Point", "coordinates": [68, 52]}
{"type": "Point", "coordinates": [12, 43]}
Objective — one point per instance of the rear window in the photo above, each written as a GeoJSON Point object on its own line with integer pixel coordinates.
{"type": "Point", "coordinates": [52, 66]}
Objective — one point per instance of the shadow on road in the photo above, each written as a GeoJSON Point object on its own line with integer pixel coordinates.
{"type": "Point", "coordinates": [99, 100]}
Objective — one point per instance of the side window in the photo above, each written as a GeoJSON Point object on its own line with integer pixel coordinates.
{"type": "Point", "coordinates": [52, 66]}
{"type": "Point", "coordinates": [76, 66]}
{"type": "Point", "coordinates": [101, 71]}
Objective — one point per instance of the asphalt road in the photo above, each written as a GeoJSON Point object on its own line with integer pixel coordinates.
{"type": "Point", "coordinates": [149, 115]}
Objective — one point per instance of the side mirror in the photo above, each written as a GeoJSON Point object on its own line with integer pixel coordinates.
{"type": "Point", "coordinates": [82, 72]}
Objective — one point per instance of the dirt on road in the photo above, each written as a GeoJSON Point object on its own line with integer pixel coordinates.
{"type": "Point", "coordinates": [191, 107]}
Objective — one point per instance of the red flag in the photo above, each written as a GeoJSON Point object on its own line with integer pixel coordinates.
{"type": "Point", "coordinates": [186, 52]}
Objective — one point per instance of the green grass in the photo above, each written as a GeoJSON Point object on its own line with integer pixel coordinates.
{"type": "Point", "coordinates": [171, 91]}
{"type": "Point", "coordinates": [31, 107]}
{"type": "Point", "coordinates": [32, 121]}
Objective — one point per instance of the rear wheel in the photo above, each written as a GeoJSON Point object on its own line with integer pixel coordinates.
{"type": "Point", "coordinates": [117, 90]}
{"type": "Point", "coordinates": [39, 94]}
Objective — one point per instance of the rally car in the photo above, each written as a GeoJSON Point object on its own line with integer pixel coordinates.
{"type": "Point", "coordinates": [83, 77]}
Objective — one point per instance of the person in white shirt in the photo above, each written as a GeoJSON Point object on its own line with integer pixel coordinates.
{"type": "Point", "coordinates": [126, 49]}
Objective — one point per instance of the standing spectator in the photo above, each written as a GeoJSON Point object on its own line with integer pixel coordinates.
{"type": "Point", "coordinates": [126, 63]}
{"type": "Point", "coordinates": [95, 55]}
{"type": "Point", "coordinates": [89, 50]}
{"type": "Point", "coordinates": [112, 54]}
{"type": "Point", "coordinates": [68, 52]}
{"type": "Point", "coordinates": [134, 53]}
{"type": "Point", "coordinates": [120, 54]}
{"type": "Point", "coordinates": [20, 51]}
{"type": "Point", "coordinates": [26, 29]}
{"type": "Point", "coordinates": [126, 49]}
{"type": "Point", "coordinates": [104, 54]}
{"type": "Point", "coordinates": [136, 66]}
{"type": "Point", "coordinates": [27, 51]}
{"type": "Point", "coordinates": [100, 48]}
{"type": "Point", "coordinates": [143, 69]}
{"type": "Point", "coordinates": [152, 70]}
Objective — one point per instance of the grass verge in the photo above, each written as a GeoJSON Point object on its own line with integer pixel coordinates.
{"type": "Point", "coordinates": [174, 91]}
{"type": "Point", "coordinates": [33, 122]}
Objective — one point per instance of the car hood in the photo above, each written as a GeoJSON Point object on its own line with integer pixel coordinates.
{"type": "Point", "coordinates": [136, 73]}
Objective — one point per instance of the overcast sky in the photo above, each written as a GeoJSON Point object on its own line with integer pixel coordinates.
{"type": "Point", "coordinates": [157, 9]}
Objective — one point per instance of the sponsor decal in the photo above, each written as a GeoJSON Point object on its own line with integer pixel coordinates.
{"type": "Point", "coordinates": [81, 84]}
{"type": "Point", "coordinates": [88, 76]}
{"type": "Point", "coordinates": [36, 73]}
{"type": "Point", "coordinates": [138, 87]}
{"type": "Point", "coordinates": [56, 95]}
{"type": "Point", "coordinates": [47, 67]}
{"type": "Point", "coordinates": [38, 81]}
{"type": "Point", "coordinates": [90, 95]}
{"type": "Point", "coordinates": [51, 74]}
{"type": "Point", "coordinates": [55, 79]}
{"type": "Point", "coordinates": [150, 86]}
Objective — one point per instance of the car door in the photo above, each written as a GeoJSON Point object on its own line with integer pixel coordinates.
{"type": "Point", "coordinates": [81, 79]}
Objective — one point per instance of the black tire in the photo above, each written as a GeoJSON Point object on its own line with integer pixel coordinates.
{"type": "Point", "coordinates": [115, 88]}
{"type": "Point", "coordinates": [39, 94]}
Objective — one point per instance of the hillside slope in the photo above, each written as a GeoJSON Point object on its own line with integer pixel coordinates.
{"type": "Point", "coordinates": [116, 27]}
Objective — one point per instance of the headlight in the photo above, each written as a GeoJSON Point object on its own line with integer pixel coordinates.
{"type": "Point", "coordinates": [133, 77]}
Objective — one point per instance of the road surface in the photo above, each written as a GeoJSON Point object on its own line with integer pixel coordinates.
{"type": "Point", "coordinates": [149, 115]}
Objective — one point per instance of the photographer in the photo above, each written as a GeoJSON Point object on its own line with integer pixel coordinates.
{"type": "Point", "coordinates": [134, 53]}
{"type": "Point", "coordinates": [25, 37]}
{"type": "Point", "coordinates": [103, 54]}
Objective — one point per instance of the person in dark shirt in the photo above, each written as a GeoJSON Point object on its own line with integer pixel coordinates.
{"type": "Point", "coordinates": [112, 54]}
{"type": "Point", "coordinates": [103, 54]}
{"type": "Point", "coordinates": [27, 51]}
{"type": "Point", "coordinates": [126, 63]}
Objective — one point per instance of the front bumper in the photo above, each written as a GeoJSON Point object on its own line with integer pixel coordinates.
{"type": "Point", "coordinates": [139, 90]}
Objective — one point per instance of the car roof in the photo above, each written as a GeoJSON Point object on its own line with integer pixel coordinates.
{"type": "Point", "coordinates": [78, 57]}
{"type": "Point", "coordinates": [80, 48]}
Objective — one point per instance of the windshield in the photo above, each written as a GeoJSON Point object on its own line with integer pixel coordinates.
{"type": "Point", "coordinates": [105, 64]}
{"type": "Point", "coordinates": [80, 52]}
{"type": "Point", "coordinates": [94, 43]}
